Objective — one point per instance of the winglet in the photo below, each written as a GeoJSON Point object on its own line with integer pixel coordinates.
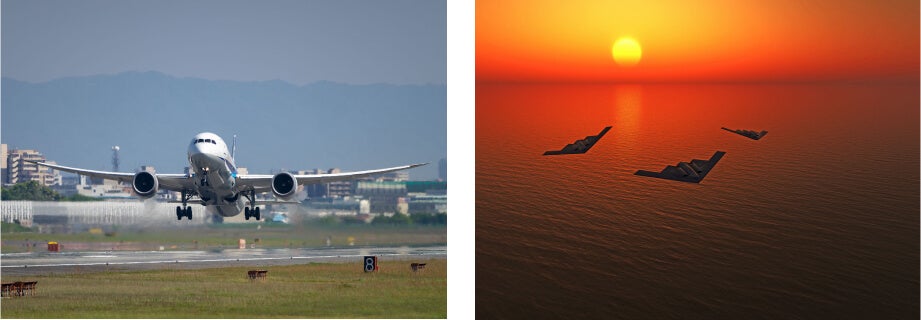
{"type": "Point", "coordinates": [417, 165]}
{"type": "Point", "coordinates": [233, 151]}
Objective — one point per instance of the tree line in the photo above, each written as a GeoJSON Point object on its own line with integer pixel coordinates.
{"type": "Point", "coordinates": [416, 218]}
{"type": "Point", "coordinates": [396, 219]}
{"type": "Point", "coordinates": [34, 191]}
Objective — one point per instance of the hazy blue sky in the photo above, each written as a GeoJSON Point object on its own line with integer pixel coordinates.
{"type": "Point", "coordinates": [354, 42]}
{"type": "Point", "coordinates": [357, 42]}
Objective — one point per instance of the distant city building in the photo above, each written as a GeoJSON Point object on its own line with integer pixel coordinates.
{"type": "Point", "coordinates": [314, 191]}
{"type": "Point", "coordinates": [94, 180]}
{"type": "Point", "coordinates": [384, 196]}
{"type": "Point", "coordinates": [336, 189]}
{"type": "Point", "coordinates": [150, 169]}
{"type": "Point", "coordinates": [70, 180]}
{"type": "Point", "coordinates": [18, 170]}
{"type": "Point", "coordinates": [394, 176]}
{"type": "Point", "coordinates": [4, 156]}
{"type": "Point", "coordinates": [443, 169]}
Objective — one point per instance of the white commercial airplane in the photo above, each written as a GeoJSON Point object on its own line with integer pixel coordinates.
{"type": "Point", "coordinates": [216, 183]}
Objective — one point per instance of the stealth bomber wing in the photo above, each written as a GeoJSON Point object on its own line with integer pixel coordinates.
{"type": "Point", "coordinates": [580, 146]}
{"type": "Point", "coordinates": [748, 133]}
{"type": "Point", "coordinates": [695, 171]}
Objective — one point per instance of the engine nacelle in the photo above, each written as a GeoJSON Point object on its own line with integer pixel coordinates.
{"type": "Point", "coordinates": [284, 185]}
{"type": "Point", "coordinates": [145, 184]}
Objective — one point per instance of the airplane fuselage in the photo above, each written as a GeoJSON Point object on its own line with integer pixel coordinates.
{"type": "Point", "coordinates": [214, 174]}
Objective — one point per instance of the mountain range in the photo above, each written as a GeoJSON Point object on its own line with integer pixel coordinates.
{"type": "Point", "coordinates": [152, 116]}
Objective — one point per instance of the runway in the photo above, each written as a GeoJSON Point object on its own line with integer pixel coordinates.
{"type": "Point", "coordinates": [24, 264]}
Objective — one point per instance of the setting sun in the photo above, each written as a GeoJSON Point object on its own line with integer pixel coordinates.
{"type": "Point", "coordinates": [626, 52]}
{"type": "Point", "coordinates": [709, 40]}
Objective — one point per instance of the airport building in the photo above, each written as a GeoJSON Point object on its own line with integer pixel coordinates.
{"type": "Point", "coordinates": [427, 196]}
{"type": "Point", "coordinates": [343, 189]}
{"type": "Point", "coordinates": [348, 206]}
{"type": "Point", "coordinates": [427, 187]}
{"type": "Point", "coordinates": [425, 203]}
{"type": "Point", "coordinates": [381, 196]}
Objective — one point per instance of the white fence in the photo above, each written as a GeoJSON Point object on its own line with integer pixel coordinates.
{"type": "Point", "coordinates": [100, 212]}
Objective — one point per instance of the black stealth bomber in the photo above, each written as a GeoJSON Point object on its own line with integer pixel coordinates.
{"type": "Point", "coordinates": [748, 133]}
{"type": "Point", "coordinates": [695, 171]}
{"type": "Point", "coordinates": [580, 146]}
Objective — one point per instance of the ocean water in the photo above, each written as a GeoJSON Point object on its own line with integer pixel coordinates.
{"type": "Point", "coordinates": [818, 219]}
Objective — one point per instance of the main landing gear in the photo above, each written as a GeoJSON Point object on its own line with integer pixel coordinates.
{"type": "Point", "coordinates": [184, 210]}
{"type": "Point", "coordinates": [180, 212]}
{"type": "Point", "coordinates": [247, 212]}
{"type": "Point", "coordinates": [252, 210]}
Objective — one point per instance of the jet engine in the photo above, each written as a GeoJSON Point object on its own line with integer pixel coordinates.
{"type": "Point", "coordinates": [284, 185]}
{"type": "Point", "coordinates": [145, 184]}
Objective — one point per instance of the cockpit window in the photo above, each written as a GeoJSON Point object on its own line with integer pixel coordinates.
{"type": "Point", "coordinates": [211, 141]}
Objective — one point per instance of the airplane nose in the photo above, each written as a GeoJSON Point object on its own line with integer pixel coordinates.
{"type": "Point", "coordinates": [195, 148]}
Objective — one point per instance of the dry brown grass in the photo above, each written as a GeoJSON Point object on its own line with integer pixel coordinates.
{"type": "Point", "coordinates": [326, 290]}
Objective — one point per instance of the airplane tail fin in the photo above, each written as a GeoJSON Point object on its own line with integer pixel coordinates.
{"type": "Point", "coordinates": [233, 151]}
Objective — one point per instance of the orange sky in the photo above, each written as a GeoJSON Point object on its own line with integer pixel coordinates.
{"type": "Point", "coordinates": [703, 40]}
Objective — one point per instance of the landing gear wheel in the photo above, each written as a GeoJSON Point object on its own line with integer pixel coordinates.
{"type": "Point", "coordinates": [184, 210]}
{"type": "Point", "coordinates": [252, 210]}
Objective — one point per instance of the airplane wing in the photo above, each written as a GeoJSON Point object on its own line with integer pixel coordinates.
{"type": "Point", "coordinates": [169, 181]}
{"type": "Point", "coordinates": [263, 182]}
{"type": "Point", "coordinates": [257, 182]}
{"type": "Point", "coordinates": [261, 202]}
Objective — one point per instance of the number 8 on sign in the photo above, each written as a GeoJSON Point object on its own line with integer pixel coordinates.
{"type": "Point", "coordinates": [370, 263]}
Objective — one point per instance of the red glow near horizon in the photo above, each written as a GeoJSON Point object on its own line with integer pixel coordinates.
{"type": "Point", "coordinates": [551, 41]}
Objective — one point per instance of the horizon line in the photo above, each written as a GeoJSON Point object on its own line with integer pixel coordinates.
{"type": "Point", "coordinates": [212, 79]}
{"type": "Point", "coordinates": [703, 82]}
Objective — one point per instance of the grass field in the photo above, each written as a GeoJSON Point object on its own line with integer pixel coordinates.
{"type": "Point", "coordinates": [325, 290]}
{"type": "Point", "coordinates": [228, 235]}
